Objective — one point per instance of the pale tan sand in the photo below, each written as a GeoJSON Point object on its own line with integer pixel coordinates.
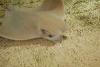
{"type": "Point", "coordinates": [80, 49]}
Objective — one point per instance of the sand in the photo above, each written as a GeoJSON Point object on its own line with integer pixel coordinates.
{"type": "Point", "coordinates": [80, 49]}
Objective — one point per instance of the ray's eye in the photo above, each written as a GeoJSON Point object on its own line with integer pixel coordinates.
{"type": "Point", "coordinates": [0, 23]}
{"type": "Point", "coordinates": [45, 32]}
{"type": "Point", "coordinates": [64, 37]}
{"type": "Point", "coordinates": [50, 35]}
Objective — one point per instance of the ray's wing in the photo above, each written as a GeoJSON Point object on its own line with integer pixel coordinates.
{"type": "Point", "coordinates": [55, 6]}
{"type": "Point", "coordinates": [19, 24]}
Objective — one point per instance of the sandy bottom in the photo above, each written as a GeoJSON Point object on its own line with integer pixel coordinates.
{"type": "Point", "coordinates": [80, 49]}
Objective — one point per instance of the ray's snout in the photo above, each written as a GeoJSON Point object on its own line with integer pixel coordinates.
{"type": "Point", "coordinates": [60, 38]}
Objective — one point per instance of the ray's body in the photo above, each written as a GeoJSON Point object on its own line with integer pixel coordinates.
{"type": "Point", "coordinates": [22, 23]}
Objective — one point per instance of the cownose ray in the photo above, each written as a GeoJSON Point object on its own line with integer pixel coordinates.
{"type": "Point", "coordinates": [47, 21]}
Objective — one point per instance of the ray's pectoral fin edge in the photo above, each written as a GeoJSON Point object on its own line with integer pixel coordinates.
{"type": "Point", "coordinates": [56, 6]}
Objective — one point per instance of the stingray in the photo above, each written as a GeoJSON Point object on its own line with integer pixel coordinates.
{"type": "Point", "coordinates": [47, 21]}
